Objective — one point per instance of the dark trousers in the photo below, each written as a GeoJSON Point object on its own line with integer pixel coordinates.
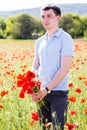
{"type": "Point", "coordinates": [55, 109]}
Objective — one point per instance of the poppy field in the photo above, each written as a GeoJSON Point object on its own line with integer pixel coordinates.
{"type": "Point", "coordinates": [20, 113]}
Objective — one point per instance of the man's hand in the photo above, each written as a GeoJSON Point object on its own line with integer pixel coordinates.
{"type": "Point", "coordinates": [37, 97]}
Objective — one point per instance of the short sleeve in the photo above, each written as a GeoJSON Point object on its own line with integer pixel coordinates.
{"type": "Point", "coordinates": [67, 46]}
{"type": "Point", "coordinates": [36, 48]}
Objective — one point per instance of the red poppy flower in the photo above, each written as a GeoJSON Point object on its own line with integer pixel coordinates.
{"type": "Point", "coordinates": [70, 85]}
{"type": "Point", "coordinates": [85, 82]}
{"type": "Point", "coordinates": [30, 75]}
{"type": "Point", "coordinates": [1, 106]}
{"type": "Point", "coordinates": [83, 100]}
{"type": "Point", "coordinates": [70, 126]}
{"type": "Point", "coordinates": [3, 93]}
{"type": "Point", "coordinates": [72, 99]}
{"type": "Point", "coordinates": [35, 116]}
{"type": "Point", "coordinates": [22, 94]}
{"type": "Point", "coordinates": [85, 111]}
{"type": "Point", "coordinates": [78, 90]}
{"type": "Point", "coordinates": [28, 83]}
{"type": "Point", "coordinates": [73, 112]}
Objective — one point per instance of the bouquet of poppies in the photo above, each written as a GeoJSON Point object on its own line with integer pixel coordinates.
{"type": "Point", "coordinates": [28, 83]}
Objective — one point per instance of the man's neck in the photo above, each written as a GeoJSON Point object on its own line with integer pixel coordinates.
{"type": "Point", "coordinates": [50, 33]}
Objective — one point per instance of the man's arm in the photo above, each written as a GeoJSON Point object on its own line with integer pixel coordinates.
{"type": "Point", "coordinates": [35, 64]}
{"type": "Point", "coordinates": [66, 62]}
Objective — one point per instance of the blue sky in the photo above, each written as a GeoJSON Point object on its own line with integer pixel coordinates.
{"type": "Point", "coordinates": [25, 4]}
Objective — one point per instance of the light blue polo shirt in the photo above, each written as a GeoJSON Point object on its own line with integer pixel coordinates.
{"type": "Point", "coordinates": [50, 53]}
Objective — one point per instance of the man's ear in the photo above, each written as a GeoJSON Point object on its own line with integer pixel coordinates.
{"type": "Point", "coordinates": [58, 17]}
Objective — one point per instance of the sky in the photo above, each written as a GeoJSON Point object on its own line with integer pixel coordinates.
{"type": "Point", "coordinates": [26, 4]}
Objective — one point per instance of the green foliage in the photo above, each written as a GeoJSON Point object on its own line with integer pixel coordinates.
{"type": "Point", "coordinates": [78, 32]}
{"type": "Point", "coordinates": [9, 24]}
{"type": "Point", "coordinates": [84, 25]}
{"type": "Point", "coordinates": [66, 22]}
{"type": "Point", "coordinates": [72, 23]}
{"type": "Point", "coordinates": [2, 24]}
{"type": "Point", "coordinates": [2, 27]}
{"type": "Point", "coordinates": [24, 26]}
{"type": "Point", "coordinates": [85, 33]}
{"type": "Point", "coordinates": [1, 33]}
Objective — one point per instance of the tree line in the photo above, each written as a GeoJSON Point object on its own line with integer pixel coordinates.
{"type": "Point", "coordinates": [25, 26]}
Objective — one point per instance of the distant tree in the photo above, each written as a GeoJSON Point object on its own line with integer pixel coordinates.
{"type": "Point", "coordinates": [84, 25]}
{"type": "Point", "coordinates": [77, 28]}
{"type": "Point", "coordinates": [1, 34]}
{"type": "Point", "coordinates": [2, 23]}
{"type": "Point", "coordinates": [21, 26]}
{"type": "Point", "coordinates": [38, 28]}
{"type": "Point", "coordinates": [26, 23]}
{"type": "Point", "coordinates": [16, 31]}
{"type": "Point", "coordinates": [72, 23]}
{"type": "Point", "coordinates": [2, 27]}
{"type": "Point", "coordinates": [9, 25]}
{"type": "Point", "coordinates": [66, 22]}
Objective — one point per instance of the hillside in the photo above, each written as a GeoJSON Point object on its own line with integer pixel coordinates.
{"type": "Point", "coordinates": [80, 9]}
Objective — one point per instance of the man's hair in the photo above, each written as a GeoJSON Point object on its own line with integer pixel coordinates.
{"type": "Point", "coordinates": [54, 7]}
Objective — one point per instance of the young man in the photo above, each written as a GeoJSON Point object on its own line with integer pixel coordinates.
{"type": "Point", "coordinates": [53, 58]}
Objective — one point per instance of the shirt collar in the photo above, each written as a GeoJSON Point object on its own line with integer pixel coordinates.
{"type": "Point", "coordinates": [57, 34]}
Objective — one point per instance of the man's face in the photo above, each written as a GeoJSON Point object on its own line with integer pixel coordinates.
{"type": "Point", "coordinates": [49, 19]}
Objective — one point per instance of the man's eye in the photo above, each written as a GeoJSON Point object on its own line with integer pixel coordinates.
{"type": "Point", "coordinates": [49, 16]}
{"type": "Point", "coordinates": [42, 16]}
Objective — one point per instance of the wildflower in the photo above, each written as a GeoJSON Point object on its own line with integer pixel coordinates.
{"type": "Point", "coordinates": [80, 77]}
{"type": "Point", "coordinates": [85, 111]}
{"type": "Point", "coordinates": [76, 125]}
{"type": "Point", "coordinates": [3, 93]}
{"type": "Point", "coordinates": [1, 106]}
{"type": "Point", "coordinates": [22, 94]}
{"type": "Point", "coordinates": [83, 100]}
{"type": "Point", "coordinates": [69, 126]}
{"type": "Point", "coordinates": [70, 85]}
{"type": "Point", "coordinates": [78, 90]}
{"type": "Point", "coordinates": [73, 112]}
{"type": "Point", "coordinates": [85, 82]}
{"type": "Point", "coordinates": [72, 99]}
{"type": "Point", "coordinates": [35, 116]}
{"type": "Point", "coordinates": [32, 123]}
{"type": "Point", "coordinates": [28, 83]}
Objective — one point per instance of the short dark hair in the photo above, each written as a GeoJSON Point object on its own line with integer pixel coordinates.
{"type": "Point", "coordinates": [54, 7]}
